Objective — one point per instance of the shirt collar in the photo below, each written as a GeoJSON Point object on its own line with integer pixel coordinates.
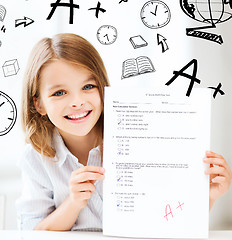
{"type": "Point", "coordinates": [62, 151]}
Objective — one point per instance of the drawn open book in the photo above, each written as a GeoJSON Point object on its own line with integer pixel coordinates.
{"type": "Point", "coordinates": [140, 65]}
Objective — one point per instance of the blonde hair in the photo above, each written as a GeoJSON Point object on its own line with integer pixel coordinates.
{"type": "Point", "coordinates": [73, 49]}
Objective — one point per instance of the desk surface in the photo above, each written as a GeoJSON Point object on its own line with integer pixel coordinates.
{"type": "Point", "coordinates": [48, 235]}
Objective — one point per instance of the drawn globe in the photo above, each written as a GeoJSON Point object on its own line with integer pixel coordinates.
{"type": "Point", "coordinates": [207, 11]}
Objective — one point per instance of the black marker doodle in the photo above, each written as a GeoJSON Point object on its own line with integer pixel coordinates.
{"type": "Point", "coordinates": [59, 4]}
{"type": "Point", "coordinates": [0, 43]}
{"type": "Point", "coordinates": [217, 90]}
{"type": "Point", "coordinates": [2, 13]}
{"type": "Point", "coordinates": [155, 14]}
{"type": "Point", "coordinates": [107, 34]}
{"type": "Point", "coordinates": [25, 21]}
{"type": "Point", "coordinates": [191, 77]}
{"type": "Point", "coordinates": [228, 2]}
{"type": "Point", "coordinates": [10, 67]}
{"type": "Point", "coordinates": [161, 40]}
{"type": "Point", "coordinates": [98, 9]}
{"type": "Point", "coordinates": [207, 12]}
{"type": "Point", "coordinates": [138, 42]}
{"type": "Point", "coordinates": [123, 1]}
{"type": "Point", "coordinates": [133, 67]}
{"type": "Point", "coordinates": [8, 113]}
{"type": "Point", "coordinates": [3, 29]}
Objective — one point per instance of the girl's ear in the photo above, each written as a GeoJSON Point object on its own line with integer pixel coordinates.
{"type": "Point", "coordinates": [39, 106]}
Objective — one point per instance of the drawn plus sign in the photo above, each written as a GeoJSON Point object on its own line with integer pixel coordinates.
{"type": "Point", "coordinates": [179, 206]}
{"type": "Point", "coordinates": [217, 90]}
{"type": "Point", "coordinates": [98, 8]}
{"type": "Point", "coordinates": [59, 4]}
{"type": "Point", "coordinates": [191, 77]}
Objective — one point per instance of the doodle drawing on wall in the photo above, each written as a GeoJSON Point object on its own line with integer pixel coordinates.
{"type": "Point", "coordinates": [193, 78]}
{"type": "Point", "coordinates": [133, 67]}
{"type": "Point", "coordinates": [155, 14]}
{"type": "Point", "coordinates": [138, 42]}
{"type": "Point", "coordinates": [208, 12]}
{"type": "Point", "coordinates": [3, 29]}
{"type": "Point", "coordinates": [24, 21]}
{"type": "Point", "coordinates": [10, 68]}
{"type": "Point", "coordinates": [8, 113]}
{"type": "Point", "coordinates": [71, 5]}
{"type": "Point", "coordinates": [161, 40]}
{"type": "Point", "coordinates": [217, 90]}
{"type": "Point", "coordinates": [98, 9]}
{"type": "Point", "coordinates": [107, 34]}
{"type": "Point", "coordinates": [2, 13]}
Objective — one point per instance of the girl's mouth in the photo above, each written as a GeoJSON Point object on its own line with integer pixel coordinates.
{"type": "Point", "coordinates": [79, 116]}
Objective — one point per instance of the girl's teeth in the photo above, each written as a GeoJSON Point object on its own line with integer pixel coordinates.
{"type": "Point", "coordinates": [78, 116]}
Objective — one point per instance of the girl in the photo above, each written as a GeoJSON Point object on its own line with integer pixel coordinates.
{"type": "Point", "coordinates": [63, 121]}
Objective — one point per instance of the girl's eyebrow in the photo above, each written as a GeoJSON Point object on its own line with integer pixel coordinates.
{"type": "Point", "coordinates": [90, 78]}
{"type": "Point", "coordinates": [55, 86]}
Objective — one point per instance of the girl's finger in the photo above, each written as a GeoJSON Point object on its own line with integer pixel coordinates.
{"type": "Point", "coordinates": [211, 154]}
{"type": "Point", "coordinates": [87, 176]}
{"type": "Point", "coordinates": [217, 171]}
{"type": "Point", "coordinates": [83, 187]}
{"type": "Point", "coordinates": [218, 179]}
{"type": "Point", "coordinates": [84, 195]}
{"type": "Point", "coordinates": [93, 169]}
{"type": "Point", "coordinates": [216, 161]}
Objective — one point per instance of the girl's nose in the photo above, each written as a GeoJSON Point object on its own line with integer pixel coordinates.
{"type": "Point", "coordinates": [77, 100]}
{"type": "Point", "coordinates": [76, 106]}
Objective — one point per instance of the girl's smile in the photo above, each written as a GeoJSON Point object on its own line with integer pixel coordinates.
{"type": "Point", "coordinates": [78, 117]}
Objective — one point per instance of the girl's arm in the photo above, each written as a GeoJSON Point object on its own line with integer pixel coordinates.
{"type": "Point", "coordinates": [220, 176]}
{"type": "Point", "coordinates": [62, 219]}
{"type": "Point", "coordinates": [81, 186]}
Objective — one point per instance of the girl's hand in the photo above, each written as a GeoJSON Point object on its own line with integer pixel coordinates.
{"type": "Point", "coordinates": [220, 175]}
{"type": "Point", "coordinates": [81, 184]}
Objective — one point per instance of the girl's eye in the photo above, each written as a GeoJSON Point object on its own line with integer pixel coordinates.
{"type": "Point", "coordinates": [88, 87]}
{"type": "Point", "coordinates": [59, 93]}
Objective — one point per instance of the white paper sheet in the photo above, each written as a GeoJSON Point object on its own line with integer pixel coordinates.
{"type": "Point", "coordinates": [154, 145]}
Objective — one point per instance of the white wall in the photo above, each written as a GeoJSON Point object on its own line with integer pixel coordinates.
{"type": "Point", "coordinates": [214, 62]}
{"type": "Point", "coordinates": [10, 188]}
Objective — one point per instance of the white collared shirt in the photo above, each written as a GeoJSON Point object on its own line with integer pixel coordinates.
{"type": "Point", "coordinates": [45, 187]}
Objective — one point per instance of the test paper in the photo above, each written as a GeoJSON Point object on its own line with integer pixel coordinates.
{"type": "Point", "coordinates": [154, 144]}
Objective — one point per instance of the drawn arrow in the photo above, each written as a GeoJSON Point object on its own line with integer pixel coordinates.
{"type": "Point", "coordinates": [162, 40]}
{"type": "Point", "coordinates": [26, 21]}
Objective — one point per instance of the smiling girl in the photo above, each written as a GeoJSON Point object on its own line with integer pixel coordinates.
{"type": "Point", "coordinates": [63, 121]}
{"type": "Point", "coordinates": [62, 116]}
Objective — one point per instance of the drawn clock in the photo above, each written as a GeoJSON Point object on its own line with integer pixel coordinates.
{"type": "Point", "coordinates": [107, 34]}
{"type": "Point", "coordinates": [8, 113]}
{"type": "Point", "coordinates": [155, 14]}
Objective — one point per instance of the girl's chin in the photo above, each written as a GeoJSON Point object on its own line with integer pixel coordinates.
{"type": "Point", "coordinates": [74, 132]}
